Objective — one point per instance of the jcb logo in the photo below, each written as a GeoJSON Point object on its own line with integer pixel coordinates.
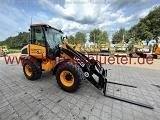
{"type": "Point", "coordinates": [79, 61]}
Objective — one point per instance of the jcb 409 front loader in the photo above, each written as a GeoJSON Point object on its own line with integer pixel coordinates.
{"type": "Point", "coordinates": [72, 67]}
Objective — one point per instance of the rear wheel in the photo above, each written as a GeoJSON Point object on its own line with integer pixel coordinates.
{"type": "Point", "coordinates": [69, 77]}
{"type": "Point", "coordinates": [31, 71]}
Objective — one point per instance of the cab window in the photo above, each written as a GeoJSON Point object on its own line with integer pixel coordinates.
{"type": "Point", "coordinates": [38, 36]}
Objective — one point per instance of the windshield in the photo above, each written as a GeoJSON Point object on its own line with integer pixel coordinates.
{"type": "Point", "coordinates": [53, 37]}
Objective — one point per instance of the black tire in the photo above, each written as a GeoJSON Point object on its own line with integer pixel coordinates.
{"type": "Point", "coordinates": [76, 73]}
{"type": "Point", "coordinates": [34, 72]}
{"type": "Point", "coordinates": [155, 56]}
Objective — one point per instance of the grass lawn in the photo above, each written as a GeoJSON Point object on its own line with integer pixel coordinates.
{"type": "Point", "coordinates": [14, 51]}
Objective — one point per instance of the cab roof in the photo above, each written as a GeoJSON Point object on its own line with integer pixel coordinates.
{"type": "Point", "coordinates": [43, 24]}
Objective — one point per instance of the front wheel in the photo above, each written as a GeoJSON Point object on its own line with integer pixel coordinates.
{"type": "Point", "coordinates": [31, 71]}
{"type": "Point", "coordinates": [69, 77]}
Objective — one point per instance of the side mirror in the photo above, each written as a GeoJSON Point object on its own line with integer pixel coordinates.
{"type": "Point", "coordinates": [63, 38]}
{"type": "Point", "coordinates": [29, 29]}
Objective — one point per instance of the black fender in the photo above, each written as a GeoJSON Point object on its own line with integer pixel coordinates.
{"type": "Point", "coordinates": [32, 60]}
{"type": "Point", "coordinates": [60, 64]}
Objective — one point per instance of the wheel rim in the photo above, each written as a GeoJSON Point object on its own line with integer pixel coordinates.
{"type": "Point", "coordinates": [67, 78]}
{"type": "Point", "coordinates": [28, 70]}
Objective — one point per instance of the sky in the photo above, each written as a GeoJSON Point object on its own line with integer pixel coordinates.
{"type": "Point", "coordinates": [72, 16]}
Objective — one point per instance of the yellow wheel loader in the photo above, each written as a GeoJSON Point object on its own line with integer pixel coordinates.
{"type": "Point", "coordinates": [5, 49]}
{"type": "Point", "coordinates": [156, 50]}
{"type": "Point", "coordinates": [105, 49]}
{"type": "Point", "coordinates": [142, 51]}
{"type": "Point", "coordinates": [120, 50]}
{"type": "Point", "coordinates": [48, 51]}
{"type": "Point", "coordinates": [2, 53]}
{"type": "Point", "coordinates": [93, 49]}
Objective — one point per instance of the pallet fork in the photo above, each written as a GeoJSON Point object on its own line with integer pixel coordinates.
{"type": "Point", "coordinates": [90, 67]}
{"type": "Point", "coordinates": [120, 98]}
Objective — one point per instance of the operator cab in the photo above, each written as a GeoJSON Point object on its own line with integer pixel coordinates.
{"type": "Point", "coordinates": [46, 36]}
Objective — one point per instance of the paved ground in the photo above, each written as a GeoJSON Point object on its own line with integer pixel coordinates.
{"type": "Point", "coordinates": [21, 99]}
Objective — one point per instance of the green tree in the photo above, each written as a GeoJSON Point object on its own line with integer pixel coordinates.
{"type": "Point", "coordinates": [152, 21]}
{"type": "Point", "coordinates": [17, 42]}
{"type": "Point", "coordinates": [147, 36]}
{"type": "Point", "coordinates": [94, 35]}
{"type": "Point", "coordinates": [143, 32]}
{"type": "Point", "coordinates": [133, 32]}
{"type": "Point", "coordinates": [71, 39]}
{"type": "Point", "coordinates": [103, 37]}
{"type": "Point", "coordinates": [131, 44]}
{"type": "Point", "coordinates": [148, 27]}
{"type": "Point", "coordinates": [80, 38]}
{"type": "Point", "coordinates": [121, 35]}
{"type": "Point", "coordinates": [115, 38]}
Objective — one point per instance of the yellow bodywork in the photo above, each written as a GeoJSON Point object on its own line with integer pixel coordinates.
{"type": "Point", "coordinates": [97, 49]}
{"type": "Point", "coordinates": [120, 45]}
{"type": "Point", "coordinates": [105, 45]}
{"type": "Point", "coordinates": [71, 45]}
{"type": "Point", "coordinates": [47, 63]}
{"type": "Point", "coordinates": [65, 56]}
{"type": "Point", "coordinates": [156, 48]}
{"type": "Point", "coordinates": [157, 52]}
{"type": "Point", "coordinates": [92, 49]}
{"type": "Point", "coordinates": [37, 51]}
{"type": "Point", "coordinates": [78, 47]}
{"type": "Point", "coordinates": [139, 45]}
